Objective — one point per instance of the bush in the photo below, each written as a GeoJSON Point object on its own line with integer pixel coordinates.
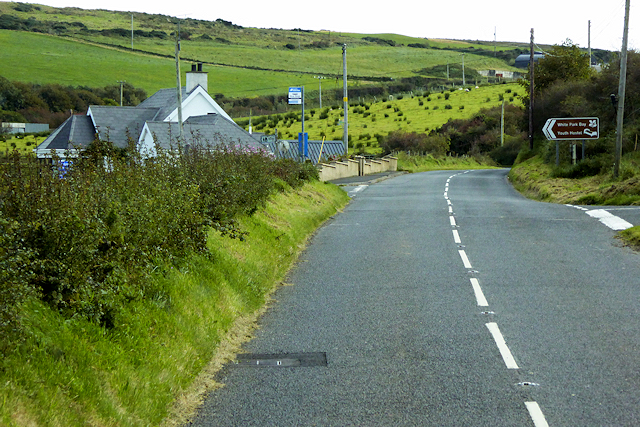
{"type": "Point", "coordinates": [448, 107]}
{"type": "Point", "coordinates": [412, 141]}
{"type": "Point", "coordinates": [84, 238]}
{"type": "Point", "coordinates": [446, 96]}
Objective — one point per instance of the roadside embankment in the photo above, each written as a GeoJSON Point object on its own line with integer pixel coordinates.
{"type": "Point", "coordinates": [152, 367]}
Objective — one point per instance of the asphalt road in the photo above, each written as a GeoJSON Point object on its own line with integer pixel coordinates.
{"type": "Point", "coordinates": [446, 299]}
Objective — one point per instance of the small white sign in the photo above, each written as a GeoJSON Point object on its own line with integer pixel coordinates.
{"type": "Point", "coordinates": [295, 93]}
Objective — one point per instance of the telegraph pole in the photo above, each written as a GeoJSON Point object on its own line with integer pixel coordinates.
{"type": "Point", "coordinates": [621, 91]}
{"type": "Point", "coordinates": [589, 37]}
{"type": "Point", "coordinates": [345, 136]}
{"type": "Point", "coordinates": [320, 88]}
{"type": "Point", "coordinates": [121, 84]}
{"type": "Point", "coordinates": [531, 85]}
{"type": "Point", "coordinates": [179, 84]}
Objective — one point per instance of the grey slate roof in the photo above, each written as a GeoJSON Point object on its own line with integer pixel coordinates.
{"type": "Point", "coordinates": [209, 130]}
{"type": "Point", "coordinates": [165, 100]}
{"type": "Point", "coordinates": [116, 124]}
{"type": "Point", "coordinates": [75, 132]}
{"type": "Point", "coordinates": [329, 149]}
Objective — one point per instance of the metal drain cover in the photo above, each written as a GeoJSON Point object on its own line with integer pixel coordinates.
{"type": "Point", "coordinates": [282, 360]}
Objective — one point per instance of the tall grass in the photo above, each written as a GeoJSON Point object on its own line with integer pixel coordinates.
{"type": "Point", "coordinates": [142, 291]}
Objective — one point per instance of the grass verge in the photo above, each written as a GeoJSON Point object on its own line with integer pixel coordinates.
{"type": "Point", "coordinates": [534, 179]}
{"type": "Point", "coordinates": [146, 370]}
{"type": "Point", "coordinates": [427, 163]}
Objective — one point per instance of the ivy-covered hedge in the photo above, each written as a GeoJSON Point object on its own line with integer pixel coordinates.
{"type": "Point", "coordinates": [84, 238]}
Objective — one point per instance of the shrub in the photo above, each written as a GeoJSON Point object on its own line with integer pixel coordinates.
{"type": "Point", "coordinates": [84, 238]}
{"type": "Point", "coordinates": [412, 141]}
{"type": "Point", "coordinates": [448, 107]}
{"type": "Point", "coordinates": [446, 96]}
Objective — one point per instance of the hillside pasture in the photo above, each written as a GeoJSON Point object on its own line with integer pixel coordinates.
{"type": "Point", "coordinates": [371, 118]}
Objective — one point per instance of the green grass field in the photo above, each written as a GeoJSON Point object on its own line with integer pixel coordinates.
{"type": "Point", "coordinates": [38, 58]}
{"type": "Point", "coordinates": [252, 61]}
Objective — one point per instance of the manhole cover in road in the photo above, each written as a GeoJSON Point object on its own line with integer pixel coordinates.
{"type": "Point", "coordinates": [283, 360]}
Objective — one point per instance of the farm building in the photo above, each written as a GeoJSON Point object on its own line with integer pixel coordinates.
{"type": "Point", "coordinates": [152, 123]}
{"type": "Point", "coordinates": [522, 61]}
{"type": "Point", "coordinates": [15, 128]}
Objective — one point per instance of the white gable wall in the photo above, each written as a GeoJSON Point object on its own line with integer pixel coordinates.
{"type": "Point", "coordinates": [198, 103]}
{"type": "Point", "coordinates": [146, 144]}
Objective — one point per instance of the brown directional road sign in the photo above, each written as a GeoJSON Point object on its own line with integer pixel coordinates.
{"type": "Point", "coordinates": [572, 128]}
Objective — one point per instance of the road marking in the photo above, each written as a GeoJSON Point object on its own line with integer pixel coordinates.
{"type": "Point", "coordinates": [482, 301]}
{"type": "Point", "coordinates": [456, 236]}
{"type": "Point", "coordinates": [502, 346]}
{"type": "Point", "coordinates": [609, 219]}
{"type": "Point", "coordinates": [536, 414]}
{"type": "Point", "coordinates": [465, 260]}
{"type": "Point", "coordinates": [358, 189]}
{"type": "Point", "coordinates": [452, 220]}
{"type": "Point", "coordinates": [450, 209]}
{"type": "Point", "coordinates": [449, 202]}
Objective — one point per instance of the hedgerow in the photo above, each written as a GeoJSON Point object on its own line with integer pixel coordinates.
{"type": "Point", "coordinates": [84, 239]}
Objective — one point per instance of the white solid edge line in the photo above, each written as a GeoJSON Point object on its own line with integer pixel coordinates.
{"type": "Point", "coordinates": [509, 361]}
{"type": "Point", "coordinates": [456, 236]}
{"type": "Point", "coordinates": [465, 260]}
{"type": "Point", "coordinates": [477, 290]}
{"type": "Point", "coordinates": [536, 414]}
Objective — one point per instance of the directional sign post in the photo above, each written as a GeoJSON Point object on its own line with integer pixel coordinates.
{"type": "Point", "coordinates": [572, 128]}
{"type": "Point", "coordinates": [296, 97]}
{"type": "Point", "coordinates": [567, 129]}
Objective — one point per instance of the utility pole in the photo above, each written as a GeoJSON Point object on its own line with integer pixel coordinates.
{"type": "Point", "coordinates": [319, 88]}
{"type": "Point", "coordinates": [621, 91]}
{"type": "Point", "coordinates": [531, 86]}
{"type": "Point", "coordinates": [495, 41]}
{"type": "Point", "coordinates": [589, 42]}
{"type": "Point", "coordinates": [121, 84]}
{"type": "Point", "coordinates": [502, 125]}
{"type": "Point", "coordinates": [464, 83]}
{"type": "Point", "coordinates": [345, 136]}
{"type": "Point", "coordinates": [179, 84]}
{"type": "Point", "coordinates": [447, 70]}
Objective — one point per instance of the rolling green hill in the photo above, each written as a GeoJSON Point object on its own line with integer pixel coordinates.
{"type": "Point", "coordinates": [93, 48]}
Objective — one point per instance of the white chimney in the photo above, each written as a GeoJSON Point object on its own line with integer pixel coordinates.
{"type": "Point", "coordinates": [196, 77]}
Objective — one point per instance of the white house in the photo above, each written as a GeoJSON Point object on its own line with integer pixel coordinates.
{"type": "Point", "coordinates": [154, 121]}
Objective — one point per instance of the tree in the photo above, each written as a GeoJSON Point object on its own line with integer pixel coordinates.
{"type": "Point", "coordinates": [564, 63]}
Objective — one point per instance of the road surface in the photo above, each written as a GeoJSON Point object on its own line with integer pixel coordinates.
{"type": "Point", "coordinates": [447, 299]}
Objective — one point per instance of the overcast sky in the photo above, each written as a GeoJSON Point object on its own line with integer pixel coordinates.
{"type": "Point", "coordinates": [553, 21]}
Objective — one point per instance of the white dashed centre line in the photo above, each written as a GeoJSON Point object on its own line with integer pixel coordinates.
{"type": "Point", "coordinates": [452, 220]}
{"type": "Point", "coordinates": [536, 414]}
{"type": "Point", "coordinates": [509, 361]}
{"type": "Point", "coordinates": [465, 260]}
{"type": "Point", "coordinates": [477, 290]}
{"type": "Point", "coordinates": [456, 237]}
